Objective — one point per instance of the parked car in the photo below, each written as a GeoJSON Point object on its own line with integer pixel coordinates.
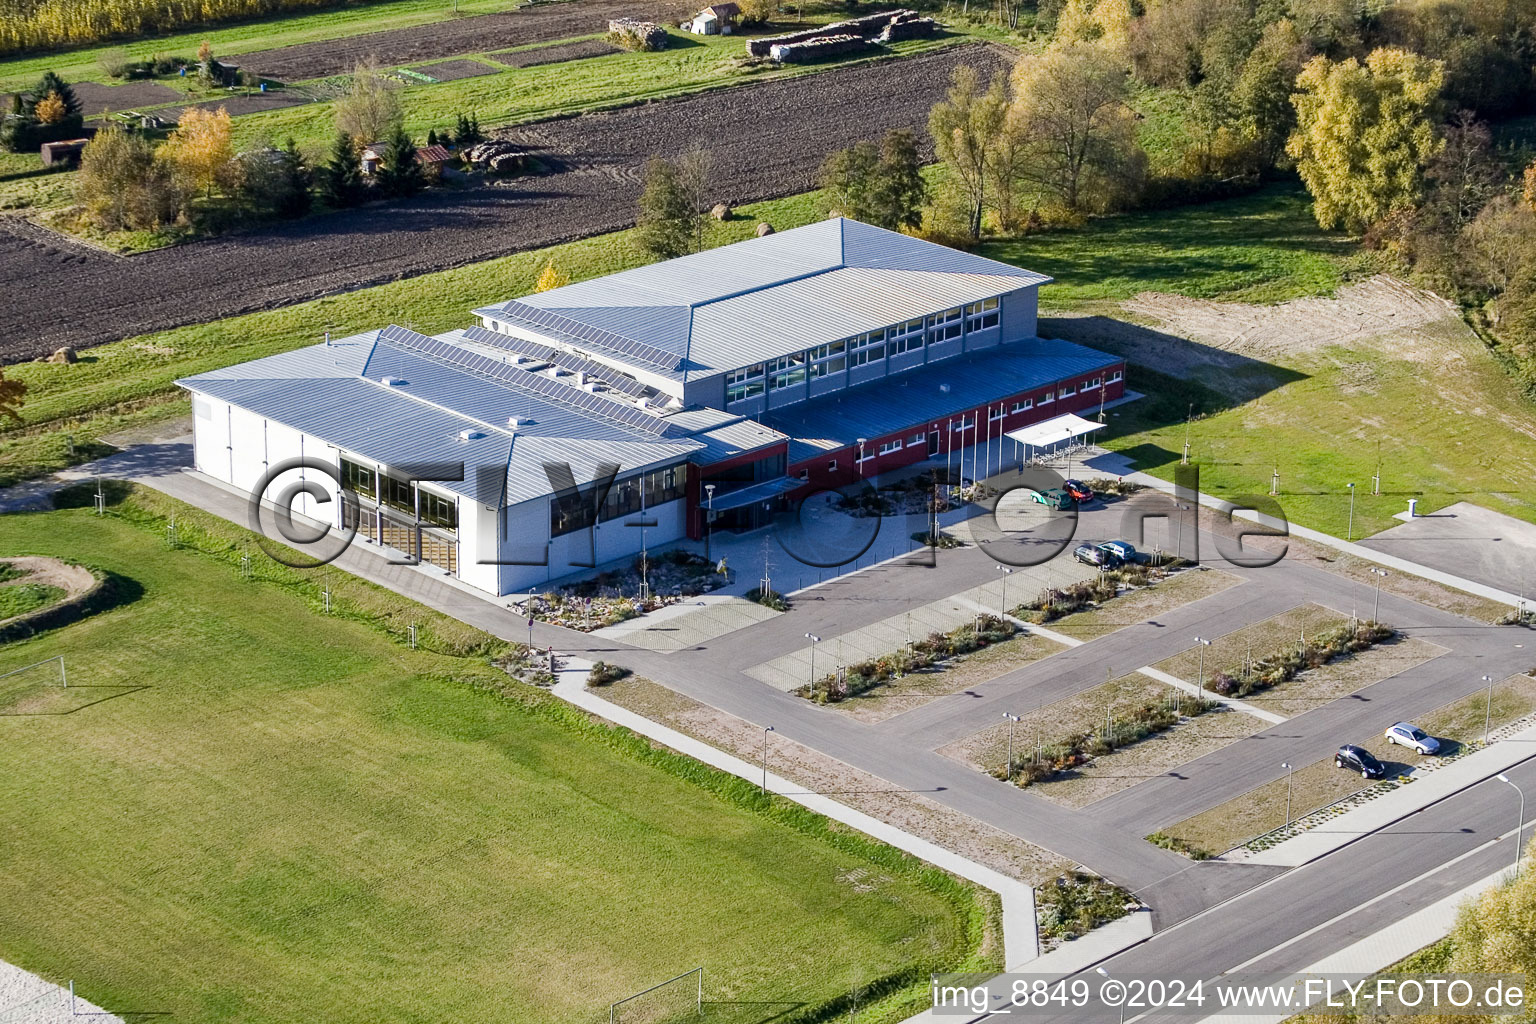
{"type": "Point", "coordinates": [1053, 497]}
{"type": "Point", "coordinates": [1095, 554]}
{"type": "Point", "coordinates": [1406, 734]}
{"type": "Point", "coordinates": [1358, 759]}
{"type": "Point", "coordinates": [1120, 549]}
{"type": "Point", "coordinates": [1079, 490]}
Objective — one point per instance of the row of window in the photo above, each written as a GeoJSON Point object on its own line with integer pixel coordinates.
{"type": "Point", "coordinates": [860, 350]}
{"type": "Point", "coordinates": [401, 495]}
{"type": "Point", "coordinates": [626, 496]}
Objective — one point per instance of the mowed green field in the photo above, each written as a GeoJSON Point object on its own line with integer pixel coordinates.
{"type": "Point", "coordinates": [298, 819]}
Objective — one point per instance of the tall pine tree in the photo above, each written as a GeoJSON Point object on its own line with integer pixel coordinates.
{"type": "Point", "coordinates": [400, 172]}
{"type": "Point", "coordinates": [339, 180]}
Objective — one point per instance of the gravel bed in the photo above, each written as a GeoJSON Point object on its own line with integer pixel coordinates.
{"type": "Point", "coordinates": [592, 188]}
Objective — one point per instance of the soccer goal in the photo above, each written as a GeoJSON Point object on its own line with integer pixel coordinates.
{"type": "Point", "coordinates": [26, 686]}
{"type": "Point", "coordinates": [670, 1002]}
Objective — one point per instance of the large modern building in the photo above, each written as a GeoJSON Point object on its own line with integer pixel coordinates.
{"type": "Point", "coordinates": [734, 380]}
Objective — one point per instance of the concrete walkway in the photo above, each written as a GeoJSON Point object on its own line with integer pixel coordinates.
{"type": "Point", "coordinates": [26, 998]}
{"type": "Point", "coordinates": [1020, 944]}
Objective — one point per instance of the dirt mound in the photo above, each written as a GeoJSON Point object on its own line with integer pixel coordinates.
{"type": "Point", "coordinates": [72, 579]}
{"type": "Point", "coordinates": [1379, 306]}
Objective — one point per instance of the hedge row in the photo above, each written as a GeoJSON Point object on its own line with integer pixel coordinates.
{"type": "Point", "coordinates": [1080, 747]}
{"type": "Point", "coordinates": [924, 653]}
{"type": "Point", "coordinates": [1286, 664]}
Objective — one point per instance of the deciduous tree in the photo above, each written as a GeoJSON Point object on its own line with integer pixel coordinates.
{"type": "Point", "coordinates": [121, 183]}
{"type": "Point", "coordinates": [50, 109]}
{"type": "Point", "coordinates": [370, 110]}
{"type": "Point", "coordinates": [550, 278]}
{"type": "Point", "coordinates": [1078, 135]}
{"type": "Point", "coordinates": [671, 219]}
{"type": "Point", "coordinates": [966, 126]}
{"type": "Point", "coordinates": [878, 184]}
{"type": "Point", "coordinates": [199, 150]}
{"type": "Point", "coordinates": [1364, 134]}
{"type": "Point", "coordinates": [1261, 97]}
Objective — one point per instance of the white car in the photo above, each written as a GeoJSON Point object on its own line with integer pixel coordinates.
{"type": "Point", "coordinates": [1406, 734]}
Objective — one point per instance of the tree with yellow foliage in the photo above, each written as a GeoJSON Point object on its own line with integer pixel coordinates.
{"type": "Point", "coordinates": [199, 149]}
{"type": "Point", "coordinates": [51, 109]}
{"type": "Point", "coordinates": [1365, 133]}
{"type": "Point", "coordinates": [550, 278]}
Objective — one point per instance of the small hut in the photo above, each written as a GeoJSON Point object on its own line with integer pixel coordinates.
{"type": "Point", "coordinates": [715, 20]}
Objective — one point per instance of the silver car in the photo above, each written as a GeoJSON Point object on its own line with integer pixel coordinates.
{"type": "Point", "coordinates": [1406, 734]}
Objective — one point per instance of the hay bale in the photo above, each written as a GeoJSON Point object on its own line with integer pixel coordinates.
{"type": "Point", "coordinates": [764, 229]}
{"type": "Point", "coordinates": [66, 354]}
{"type": "Point", "coordinates": [721, 211]}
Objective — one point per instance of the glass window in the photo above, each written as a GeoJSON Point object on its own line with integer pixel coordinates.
{"type": "Point", "coordinates": [890, 446]}
{"type": "Point", "coordinates": [964, 422]}
{"type": "Point", "coordinates": [1068, 390]}
{"type": "Point", "coordinates": [744, 383]}
{"type": "Point", "coordinates": [786, 371]}
{"type": "Point", "coordinates": [1023, 406]}
{"type": "Point", "coordinates": [861, 356]}
{"type": "Point", "coordinates": [994, 413]}
{"type": "Point", "coordinates": [398, 494]}
{"type": "Point", "coordinates": [439, 511]}
{"type": "Point", "coordinates": [1114, 375]}
{"type": "Point", "coordinates": [832, 466]}
{"type": "Point", "coordinates": [359, 478]}
{"type": "Point", "coordinates": [944, 326]}
{"type": "Point", "coordinates": [834, 365]}
{"type": "Point", "coordinates": [916, 439]}
{"type": "Point", "coordinates": [1047, 398]}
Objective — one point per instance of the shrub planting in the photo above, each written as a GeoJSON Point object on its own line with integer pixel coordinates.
{"type": "Point", "coordinates": [1129, 727]}
{"type": "Point", "coordinates": [604, 674]}
{"type": "Point", "coordinates": [769, 598]}
{"type": "Point", "coordinates": [1075, 903]}
{"type": "Point", "coordinates": [922, 654]}
{"type": "Point", "coordinates": [1056, 602]}
{"type": "Point", "coordinates": [1286, 664]}
{"type": "Point", "coordinates": [1183, 846]}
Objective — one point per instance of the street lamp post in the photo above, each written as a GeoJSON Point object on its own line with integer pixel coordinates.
{"type": "Point", "coordinates": [814, 639]}
{"type": "Point", "coordinates": [709, 516]}
{"type": "Point", "coordinates": [1013, 720]}
{"type": "Point", "coordinates": [763, 790]}
{"type": "Point", "coordinates": [1519, 822]}
{"type": "Point", "coordinates": [1488, 712]}
{"type": "Point", "coordinates": [1204, 643]}
{"type": "Point", "coordinates": [862, 441]}
{"type": "Point", "coordinates": [1122, 1002]}
{"type": "Point", "coordinates": [1006, 571]}
{"type": "Point", "coordinates": [1289, 771]}
{"type": "Point", "coordinates": [1349, 534]}
{"type": "Point", "coordinates": [1380, 574]}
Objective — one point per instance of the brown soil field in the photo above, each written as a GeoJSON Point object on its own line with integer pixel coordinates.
{"type": "Point", "coordinates": [593, 187]}
{"type": "Point", "coordinates": [556, 54]}
{"type": "Point", "coordinates": [534, 23]}
{"type": "Point", "coordinates": [242, 103]}
{"type": "Point", "coordinates": [95, 98]}
{"type": "Point", "coordinates": [453, 70]}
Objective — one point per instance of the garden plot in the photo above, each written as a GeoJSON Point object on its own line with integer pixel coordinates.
{"type": "Point", "coordinates": [820, 773]}
{"type": "Point", "coordinates": [533, 23]}
{"type": "Point", "coordinates": [96, 98]}
{"type": "Point", "coordinates": [1319, 784]}
{"type": "Point", "coordinates": [556, 54]}
{"type": "Point", "coordinates": [596, 161]}
{"type": "Point", "coordinates": [453, 70]}
{"type": "Point", "coordinates": [238, 104]}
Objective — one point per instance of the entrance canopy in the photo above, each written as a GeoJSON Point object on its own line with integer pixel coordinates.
{"type": "Point", "coordinates": [1053, 431]}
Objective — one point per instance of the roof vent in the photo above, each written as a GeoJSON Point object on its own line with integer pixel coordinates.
{"type": "Point", "coordinates": [944, 388]}
{"type": "Point", "coordinates": [391, 382]}
{"type": "Point", "coordinates": [470, 435]}
{"type": "Point", "coordinates": [518, 421]}
{"type": "Point", "coordinates": [590, 385]}
{"type": "Point", "coordinates": [642, 403]}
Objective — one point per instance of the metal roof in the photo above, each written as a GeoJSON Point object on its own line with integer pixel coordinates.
{"type": "Point", "coordinates": [903, 400]}
{"type": "Point", "coordinates": [763, 297]}
{"type": "Point", "coordinates": [323, 391]}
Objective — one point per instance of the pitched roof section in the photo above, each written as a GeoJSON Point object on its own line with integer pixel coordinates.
{"type": "Point", "coordinates": [769, 296]}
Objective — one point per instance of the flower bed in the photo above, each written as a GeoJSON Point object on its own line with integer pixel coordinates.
{"type": "Point", "coordinates": [1286, 664]}
{"type": "Point", "coordinates": [1079, 748]}
{"type": "Point", "coordinates": [922, 654]}
{"type": "Point", "coordinates": [612, 597]}
{"type": "Point", "coordinates": [1074, 904]}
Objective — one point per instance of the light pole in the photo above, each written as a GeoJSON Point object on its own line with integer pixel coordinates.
{"type": "Point", "coordinates": [1488, 713]}
{"type": "Point", "coordinates": [1380, 574]}
{"type": "Point", "coordinates": [1122, 1002]}
{"type": "Point", "coordinates": [1013, 720]}
{"type": "Point", "coordinates": [1519, 822]}
{"type": "Point", "coordinates": [1289, 771]}
{"type": "Point", "coordinates": [1349, 534]}
{"type": "Point", "coordinates": [1006, 571]}
{"type": "Point", "coordinates": [1204, 643]}
{"type": "Point", "coordinates": [814, 639]}
{"type": "Point", "coordinates": [709, 516]}
{"type": "Point", "coordinates": [763, 790]}
{"type": "Point", "coordinates": [862, 442]}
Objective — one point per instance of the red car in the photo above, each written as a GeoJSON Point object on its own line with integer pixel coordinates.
{"type": "Point", "coordinates": [1080, 491]}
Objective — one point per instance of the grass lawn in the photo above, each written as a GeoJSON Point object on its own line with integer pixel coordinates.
{"type": "Point", "coordinates": [299, 818]}
{"type": "Point", "coordinates": [84, 65]}
{"type": "Point", "coordinates": [1319, 784]}
{"type": "Point", "coordinates": [20, 598]}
